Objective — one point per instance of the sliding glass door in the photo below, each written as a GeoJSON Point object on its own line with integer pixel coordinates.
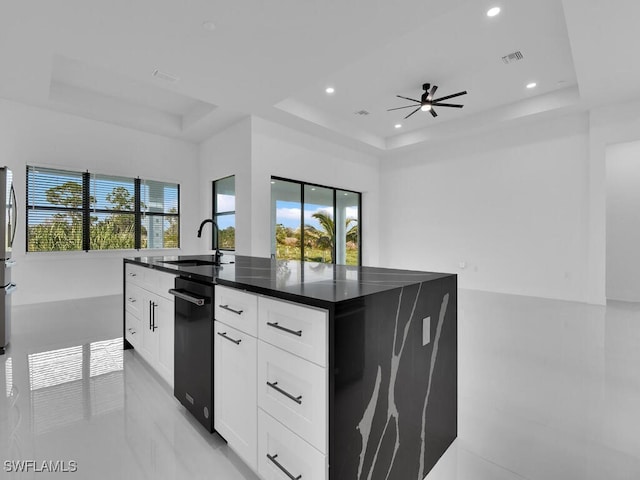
{"type": "Point", "coordinates": [315, 223]}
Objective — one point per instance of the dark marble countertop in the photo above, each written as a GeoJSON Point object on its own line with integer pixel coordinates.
{"type": "Point", "coordinates": [310, 282]}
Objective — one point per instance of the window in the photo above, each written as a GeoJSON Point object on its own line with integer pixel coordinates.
{"type": "Point", "coordinates": [82, 211]}
{"type": "Point", "coordinates": [315, 223]}
{"type": "Point", "coordinates": [224, 212]}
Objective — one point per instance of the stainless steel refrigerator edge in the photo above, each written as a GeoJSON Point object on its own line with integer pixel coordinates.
{"type": "Point", "coordinates": [8, 220]}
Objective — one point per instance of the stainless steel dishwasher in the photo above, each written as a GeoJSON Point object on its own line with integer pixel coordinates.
{"type": "Point", "coordinates": [193, 369]}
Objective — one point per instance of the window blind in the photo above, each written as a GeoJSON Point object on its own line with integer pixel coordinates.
{"type": "Point", "coordinates": [54, 210]}
{"type": "Point", "coordinates": [69, 210]}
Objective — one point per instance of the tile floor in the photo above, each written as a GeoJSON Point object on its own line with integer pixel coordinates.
{"type": "Point", "coordinates": [547, 390]}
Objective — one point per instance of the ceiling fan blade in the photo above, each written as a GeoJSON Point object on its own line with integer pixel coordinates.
{"type": "Point", "coordinates": [433, 113]}
{"type": "Point", "coordinates": [432, 93]}
{"type": "Point", "coordinates": [398, 108]}
{"type": "Point", "coordinates": [454, 105]}
{"type": "Point", "coordinates": [412, 112]}
{"type": "Point", "coordinates": [407, 98]}
{"type": "Point", "coordinates": [450, 96]}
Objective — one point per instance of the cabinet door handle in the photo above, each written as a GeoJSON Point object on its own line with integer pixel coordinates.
{"type": "Point", "coordinates": [284, 470]}
{"type": "Point", "coordinates": [224, 335]}
{"type": "Point", "coordinates": [131, 274]}
{"type": "Point", "coordinates": [284, 329]}
{"type": "Point", "coordinates": [149, 314]}
{"type": "Point", "coordinates": [153, 316]}
{"type": "Point", "coordinates": [275, 386]}
{"type": "Point", "coordinates": [226, 307]}
{"type": "Point", "coordinates": [131, 300]}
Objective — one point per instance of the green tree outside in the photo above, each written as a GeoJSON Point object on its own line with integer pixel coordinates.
{"type": "Point", "coordinates": [63, 231]}
{"type": "Point", "coordinates": [319, 242]}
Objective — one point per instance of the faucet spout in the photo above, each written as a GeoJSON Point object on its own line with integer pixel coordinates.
{"type": "Point", "coordinates": [204, 222]}
{"type": "Point", "coordinates": [216, 238]}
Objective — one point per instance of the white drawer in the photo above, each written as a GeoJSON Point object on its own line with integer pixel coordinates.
{"type": "Point", "coordinates": [132, 329]}
{"type": "Point", "coordinates": [133, 299]}
{"type": "Point", "coordinates": [135, 273]}
{"type": "Point", "coordinates": [153, 280]}
{"type": "Point", "coordinates": [296, 328]}
{"type": "Point", "coordinates": [160, 282]}
{"type": "Point", "coordinates": [237, 309]}
{"type": "Point", "coordinates": [293, 455]}
{"type": "Point", "coordinates": [294, 391]}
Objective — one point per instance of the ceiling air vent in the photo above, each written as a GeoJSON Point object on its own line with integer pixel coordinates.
{"type": "Point", "coordinates": [167, 77]}
{"type": "Point", "coordinates": [513, 57]}
{"type": "Point", "coordinates": [361, 112]}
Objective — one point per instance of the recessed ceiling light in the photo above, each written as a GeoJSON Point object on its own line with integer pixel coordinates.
{"type": "Point", "coordinates": [209, 26]}
{"type": "Point", "coordinates": [330, 90]}
{"type": "Point", "coordinates": [346, 194]}
{"type": "Point", "coordinates": [272, 182]}
{"type": "Point", "coordinates": [313, 188]}
{"type": "Point", "coordinates": [492, 12]}
{"type": "Point", "coordinates": [398, 125]}
{"type": "Point", "coordinates": [425, 108]}
{"type": "Point", "coordinates": [532, 85]}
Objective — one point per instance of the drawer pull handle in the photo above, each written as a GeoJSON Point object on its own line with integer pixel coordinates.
{"type": "Point", "coordinates": [226, 307]}
{"type": "Point", "coordinates": [284, 470]}
{"type": "Point", "coordinates": [275, 386]}
{"type": "Point", "coordinates": [132, 300]}
{"type": "Point", "coordinates": [131, 274]}
{"type": "Point", "coordinates": [284, 329]}
{"type": "Point", "coordinates": [224, 335]}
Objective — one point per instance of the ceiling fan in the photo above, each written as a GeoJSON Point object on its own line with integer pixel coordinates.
{"type": "Point", "coordinates": [427, 102]}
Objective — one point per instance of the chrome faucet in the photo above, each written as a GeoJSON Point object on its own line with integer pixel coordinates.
{"type": "Point", "coordinates": [217, 254]}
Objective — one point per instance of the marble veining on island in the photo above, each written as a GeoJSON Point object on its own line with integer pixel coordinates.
{"type": "Point", "coordinates": [392, 356]}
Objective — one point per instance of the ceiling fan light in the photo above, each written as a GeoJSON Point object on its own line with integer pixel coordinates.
{"type": "Point", "coordinates": [425, 108]}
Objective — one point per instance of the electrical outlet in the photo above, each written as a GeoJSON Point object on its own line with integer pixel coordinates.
{"type": "Point", "coordinates": [426, 331]}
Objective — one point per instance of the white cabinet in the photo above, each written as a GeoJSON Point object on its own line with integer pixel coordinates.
{"type": "Point", "coordinates": [271, 383]}
{"type": "Point", "coordinates": [296, 328]}
{"type": "Point", "coordinates": [149, 312]}
{"type": "Point", "coordinates": [293, 391]}
{"type": "Point", "coordinates": [282, 455]}
{"type": "Point", "coordinates": [132, 329]}
{"type": "Point", "coordinates": [149, 345]}
{"type": "Point", "coordinates": [237, 309]}
{"type": "Point", "coordinates": [164, 321]}
{"type": "Point", "coordinates": [235, 413]}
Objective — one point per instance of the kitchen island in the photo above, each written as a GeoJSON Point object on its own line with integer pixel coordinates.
{"type": "Point", "coordinates": [339, 373]}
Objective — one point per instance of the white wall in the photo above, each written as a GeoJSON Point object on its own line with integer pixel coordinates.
{"type": "Point", "coordinates": [282, 152]}
{"type": "Point", "coordinates": [227, 153]}
{"type": "Point", "coordinates": [34, 136]}
{"type": "Point", "coordinates": [609, 125]}
{"type": "Point", "coordinates": [623, 222]}
{"type": "Point", "coordinates": [512, 205]}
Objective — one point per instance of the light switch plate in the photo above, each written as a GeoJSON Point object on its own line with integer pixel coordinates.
{"type": "Point", "coordinates": [426, 331]}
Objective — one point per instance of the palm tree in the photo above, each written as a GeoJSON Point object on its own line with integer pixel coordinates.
{"type": "Point", "coordinates": [325, 238]}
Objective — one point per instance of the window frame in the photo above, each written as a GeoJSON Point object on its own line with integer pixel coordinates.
{"type": "Point", "coordinates": [302, 185]}
{"type": "Point", "coordinates": [86, 210]}
{"type": "Point", "coordinates": [216, 214]}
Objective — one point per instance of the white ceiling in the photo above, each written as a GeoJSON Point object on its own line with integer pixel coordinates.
{"type": "Point", "coordinates": [274, 59]}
